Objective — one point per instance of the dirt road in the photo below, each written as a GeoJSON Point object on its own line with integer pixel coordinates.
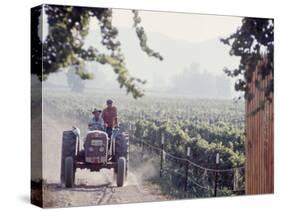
{"type": "Point", "coordinates": [84, 194]}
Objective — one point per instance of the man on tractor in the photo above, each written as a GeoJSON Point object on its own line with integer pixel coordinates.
{"type": "Point", "coordinates": [96, 123]}
{"type": "Point", "coordinates": [109, 115]}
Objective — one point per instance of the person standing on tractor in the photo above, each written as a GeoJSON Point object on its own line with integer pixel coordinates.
{"type": "Point", "coordinates": [96, 122]}
{"type": "Point", "coordinates": [109, 115]}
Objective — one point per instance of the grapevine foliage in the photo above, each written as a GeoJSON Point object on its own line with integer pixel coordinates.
{"type": "Point", "coordinates": [206, 126]}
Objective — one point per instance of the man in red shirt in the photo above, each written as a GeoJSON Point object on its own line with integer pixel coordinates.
{"type": "Point", "coordinates": [109, 115]}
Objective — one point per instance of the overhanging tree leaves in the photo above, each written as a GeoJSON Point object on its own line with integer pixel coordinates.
{"type": "Point", "coordinates": [63, 46]}
{"type": "Point", "coordinates": [253, 42]}
{"type": "Point", "coordinates": [142, 37]}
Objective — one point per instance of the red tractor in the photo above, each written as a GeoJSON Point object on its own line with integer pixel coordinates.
{"type": "Point", "coordinates": [98, 152]}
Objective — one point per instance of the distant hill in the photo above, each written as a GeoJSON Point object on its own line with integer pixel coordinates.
{"type": "Point", "coordinates": [178, 56]}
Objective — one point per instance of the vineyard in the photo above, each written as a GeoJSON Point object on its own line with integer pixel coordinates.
{"type": "Point", "coordinates": [197, 145]}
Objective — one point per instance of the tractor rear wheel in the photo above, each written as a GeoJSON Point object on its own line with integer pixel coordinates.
{"type": "Point", "coordinates": [69, 172]}
{"type": "Point", "coordinates": [121, 171]}
{"type": "Point", "coordinates": [122, 148]}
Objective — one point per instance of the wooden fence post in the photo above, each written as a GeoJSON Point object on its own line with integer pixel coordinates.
{"type": "Point", "coordinates": [235, 179]}
{"type": "Point", "coordinates": [186, 168]}
{"type": "Point", "coordinates": [216, 173]}
{"type": "Point", "coordinates": [162, 155]}
{"type": "Point", "coordinates": [142, 142]}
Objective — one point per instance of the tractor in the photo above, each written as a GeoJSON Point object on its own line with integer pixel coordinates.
{"type": "Point", "coordinates": [99, 151]}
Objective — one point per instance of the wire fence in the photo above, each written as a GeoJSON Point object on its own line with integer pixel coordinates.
{"type": "Point", "coordinates": [188, 160]}
{"type": "Point", "coordinates": [187, 173]}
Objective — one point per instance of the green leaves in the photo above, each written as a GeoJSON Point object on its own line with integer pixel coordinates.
{"type": "Point", "coordinates": [252, 42]}
{"type": "Point", "coordinates": [143, 38]}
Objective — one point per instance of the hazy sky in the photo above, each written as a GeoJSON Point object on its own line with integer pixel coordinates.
{"type": "Point", "coordinates": [183, 26]}
{"type": "Point", "coordinates": [181, 38]}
